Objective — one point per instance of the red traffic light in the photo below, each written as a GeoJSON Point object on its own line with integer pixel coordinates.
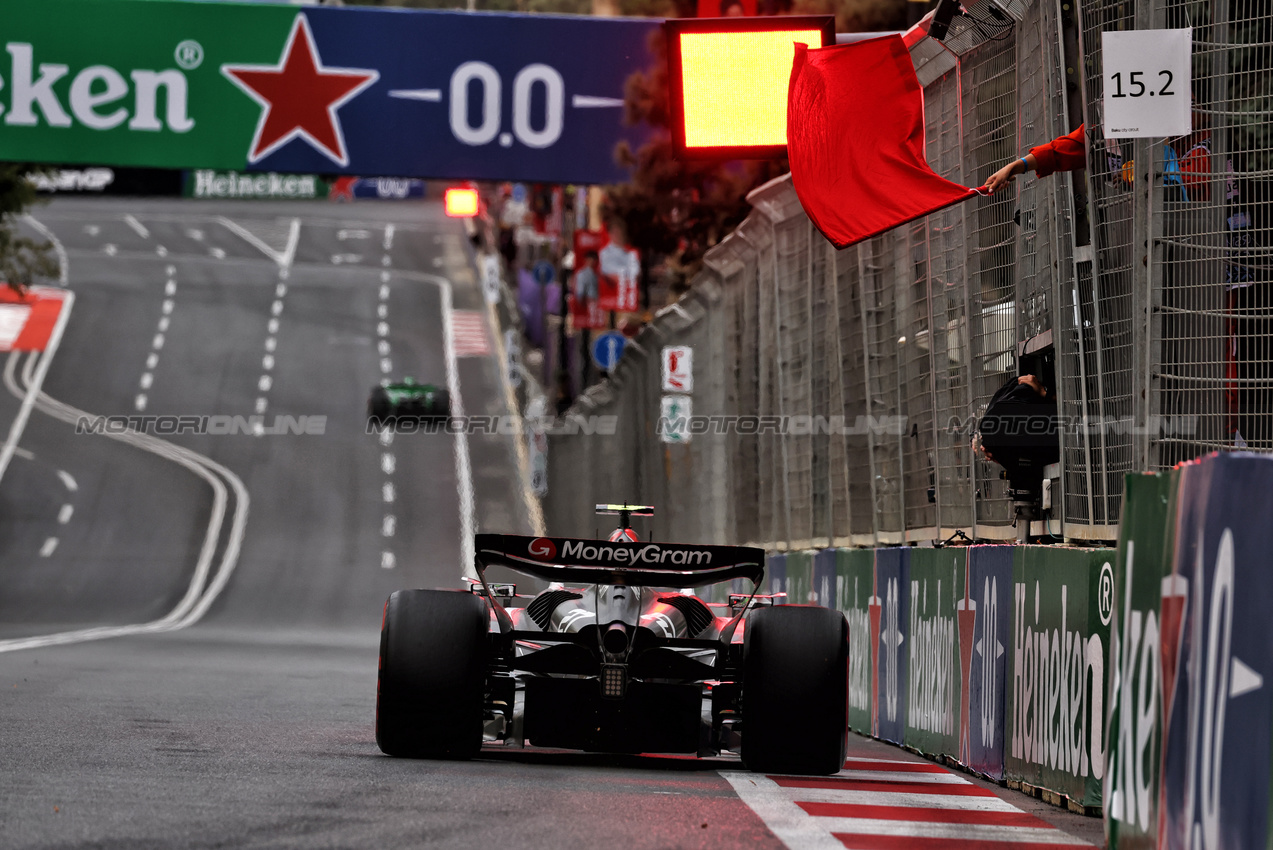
{"type": "Point", "coordinates": [729, 79]}
{"type": "Point", "coordinates": [461, 203]}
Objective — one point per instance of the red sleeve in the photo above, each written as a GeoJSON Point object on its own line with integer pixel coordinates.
{"type": "Point", "coordinates": [1066, 153]}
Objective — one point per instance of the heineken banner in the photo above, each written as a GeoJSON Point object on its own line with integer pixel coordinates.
{"type": "Point", "coordinates": [856, 597]}
{"type": "Point", "coordinates": [323, 90]}
{"type": "Point", "coordinates": [1063, 602]}
{"type": "Point", "coordinates": [1217, 760]}
{"type": "Point", "coordinates": [892, 568]}
{"type": "Point", "coordinates": [939, 605]}
{"type": "Point", "coordinates": [1138, 671]}
{"type": "Point", "coordinates": [984, 657]}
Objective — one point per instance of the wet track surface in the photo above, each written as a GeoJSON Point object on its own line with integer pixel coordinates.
{"type": "Point", "coordinates": [251, 726]}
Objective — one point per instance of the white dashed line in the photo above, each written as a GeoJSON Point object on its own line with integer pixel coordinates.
{"type": "Point", "coordinates": [384, 261]}
{"type": "Point", "coordinates": [170, 270]}
{"type": "Point", "coordinates": [386, 437]}
{"type": "Point", "coordinates": [264, 384]}
{"type": "Point", "coordinates": [382, 311]}
{"type": "Point", "coordinates": [158, 342]}
{"type": "Point", "coordinates": [271, 326]}
{"type": "Point", "coordinates": [387, 492]}
{"type": "Point", "coordinates": [382, 329]}
{"type": "Point", "coordinates": [92, 229]}
{"type": "Point", "coordinates": [387, 463]}
{"type": "Point", "coordinates": [276, 307]}
{"type": "Point", "coordinates": [284, 274]}
{"type": "Point", "coordinates": [163, 324]}
{"type": "Point", "coordinates": [389, 525]}
{"type": "Point", "coordinates": [270, 343]}
{"type": "Point", "coordinates": [196, 235]}
{"type": "Point", "coordinates": [280, 290]}
{"type": "Point", "coordinates": [137, 226]}
{"type": "Point", "coordinates": [167, 306]}
{"type": "Point", "coordinates": [388, 243]}
{"type": "Point", "coordinates": [384, 293]}
{"type": "Point", "coordinates": [384, 277]}
{"type": "Point", "coordinates": [48, 547]}
{"type": "Point", "coordinates": [383, 347]}
{"type": "Point", "coordinates": [261, 405]}
{"type": "Point", "coordinates": [267, 362]}
{"type": "Point", "coordinates": [110, 250]}
{"type": "Point", "coordinates": [161, 251]}
{"type": "Point", "coordinates": [217, 253]}
{"type": "Point", "coordinates": [64, 515]}
{"type": "Point", "coordinates": [67, 480]}
{"type": "Point", "coordinates": [152, 360]}
{"type": "Point", "coordinates": [170, 288]}
{"type": "Point", "coordinates": [146, 380]}
{"type": "Point", "coordinates": [386, 365]}
{"type": "Point", "coordinates": [140, 401]}
{"type": "Point", "coordinates": [387, 561]}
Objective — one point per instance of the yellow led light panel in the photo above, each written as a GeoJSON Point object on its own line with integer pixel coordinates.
{"type": "Point", "coordinates": [735, 85]}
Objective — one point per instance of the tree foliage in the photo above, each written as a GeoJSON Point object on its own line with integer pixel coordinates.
{"type": "Point", "coordinates": [22, 259]}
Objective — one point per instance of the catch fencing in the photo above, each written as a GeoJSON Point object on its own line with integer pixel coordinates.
{"type": "Point", "coordinates": [853, 378]}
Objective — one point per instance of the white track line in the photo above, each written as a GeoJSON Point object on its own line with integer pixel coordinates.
{"type": "Point", "coordinates": [28, 400]}
{"type": "Point", "coordinates": [284, 259]}
{"type": "Point", "coordinates": [198, 597]}
{"type": "Point", "coordinates": [137, 226]}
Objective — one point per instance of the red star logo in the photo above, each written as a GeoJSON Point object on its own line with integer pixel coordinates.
{"type": "Point", "coordinates": [299, 97]}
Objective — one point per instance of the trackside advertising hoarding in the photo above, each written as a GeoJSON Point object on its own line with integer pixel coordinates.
{"type": "Point", "coordinates": [989, 598]}
{"type": "Point", "coordinates": [939, 605]}
{"type": "Point", "coordinates": [892, 582]}
{"type": "Point", "coordinates": [856, 597]}
{"type": "Point", "coordinates": [318, 90]}
{"type": "Point", "coordinates": [1055, 721]}
{"type": "Point", "coordinates": [1139, 668]}
{"type": "Point", "coordinates": [1217, 759]}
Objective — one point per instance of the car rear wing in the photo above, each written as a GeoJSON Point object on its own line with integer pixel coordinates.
{"type": "Point", "coordinates": [582, 561]}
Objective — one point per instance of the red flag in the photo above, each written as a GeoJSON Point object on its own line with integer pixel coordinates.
{"type": "Point", "coordinates": [855, 140]}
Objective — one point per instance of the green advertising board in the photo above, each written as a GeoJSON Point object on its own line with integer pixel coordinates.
{"type": "Point", "coordinates": [127, 83]}
{"type": "Point", "coordinates": [934, 685]}
{"type": "Point", "coordinates": [1063, 603]}
{"type": "Point", "coordinates": [855, 587]}
{"type": "Point", "coordinates": [1132, 778]}
{"type": "Point", "coordinates": [799, 585]}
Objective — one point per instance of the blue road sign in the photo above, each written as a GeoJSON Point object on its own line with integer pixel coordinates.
{"type": "Point", "coordinates": [544, 273]}
{"type": "Point", "coordinates": [607, 349]}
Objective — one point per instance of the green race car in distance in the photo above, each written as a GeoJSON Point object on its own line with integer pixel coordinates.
{"type": "Point", "coordinates": [389, 404]}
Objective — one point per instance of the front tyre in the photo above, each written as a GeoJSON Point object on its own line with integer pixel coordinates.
{"type": "Point", "coordinates": [795, 690]}
{"type": "Point", "coordinates": [430, 691]}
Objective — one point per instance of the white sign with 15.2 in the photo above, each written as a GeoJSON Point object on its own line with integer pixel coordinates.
{"type": "Point", "coordinates": [1147, 83]}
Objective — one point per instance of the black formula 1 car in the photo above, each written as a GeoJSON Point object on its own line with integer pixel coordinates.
{"type": "Point", "coordinates": [609, 659]}
{"type": "Point", "coordinates": [389, 404]}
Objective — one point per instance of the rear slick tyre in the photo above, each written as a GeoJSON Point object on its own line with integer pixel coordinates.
{"type": "Point", "coordinates": [430, 691]}
{"type": "Point", "coordinates": [795, 690]}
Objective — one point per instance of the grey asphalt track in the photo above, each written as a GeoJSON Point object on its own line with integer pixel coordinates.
{"type": "Point", "coordinates": [254, 726]}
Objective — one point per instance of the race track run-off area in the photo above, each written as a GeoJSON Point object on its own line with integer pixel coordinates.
{"type": "Point", "coordinates": [189, 621]}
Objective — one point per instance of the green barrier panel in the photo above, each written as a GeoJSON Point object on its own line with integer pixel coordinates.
{"type": "Point", "coordinates": [799, 584]}
{"type": "Point", "coordinates": [1062, 606]}
{"type": "Point", "coordinates": [1133, 769]}
{"type": "Point", "coordinates": [938, 580]}
{"type": "Point", "coordinates": [855, 587]}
